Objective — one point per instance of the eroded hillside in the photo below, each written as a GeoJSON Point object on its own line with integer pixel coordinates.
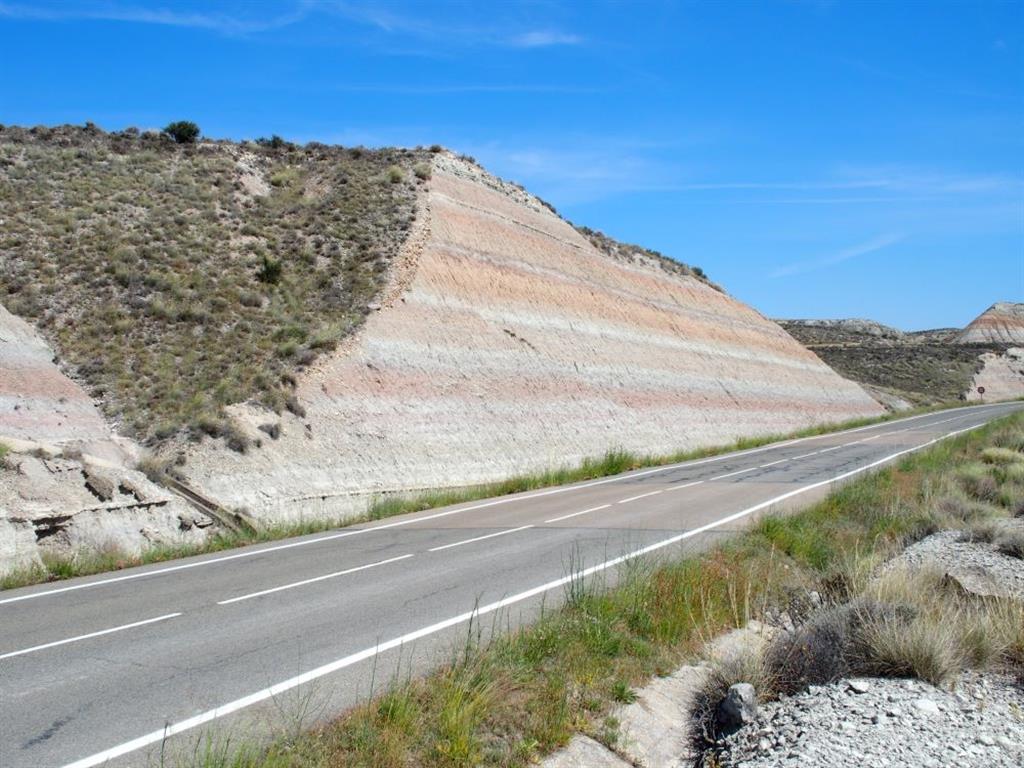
{"type": "Point", "coordinates": [300, 330]}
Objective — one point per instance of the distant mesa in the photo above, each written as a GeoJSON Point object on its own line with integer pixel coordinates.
{"type": "Point", "coordinates": [1002, 323]}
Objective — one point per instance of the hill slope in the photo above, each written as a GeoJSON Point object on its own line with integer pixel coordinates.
{"type": "Point", "coordinates": [508, 343]}
{"type": "Point", "coordinates": [1002, 323]}
{"type": "Point", "coordinates": [300, 329]}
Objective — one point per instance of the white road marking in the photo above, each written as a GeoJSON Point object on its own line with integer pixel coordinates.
{"type": "Point", "coordinates": [491, 503]}
{"type": "Point", "coordinates": [834, 448]}
{"type": "Point", "coordinates": [480, 538]}
{"type": "Point", "coordinates": [577, 514]}
{"type": "Point", "coordinates": [733, 474]}
{"type": "Point", "coordinates": [684, 485]}
{"type": "Point", "coordinates": [102, 632]}
{"type": "Point", "coordinates": [641, 496]}
{"type": "Point", "coordinates": [773, 463]}
{"type": "Point", "coordinates": [315, 579]}
{"type": "Point", "coordinates": [805, 455]}
{"type": "Point", "coordinates": [181, 726]}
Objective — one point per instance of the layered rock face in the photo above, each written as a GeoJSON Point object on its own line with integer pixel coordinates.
{"type": "Point", "coordinates": [66, 484]}
{"type": "Point", "coordinates": [1001, 376]}
{"type": "Point", "coordinates": [1002, 323]}
{"type": "Point", "coordinates": [507, 343]}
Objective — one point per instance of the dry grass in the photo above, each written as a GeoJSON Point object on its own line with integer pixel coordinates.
{"type": "Point", "coordinates": [169, 289]}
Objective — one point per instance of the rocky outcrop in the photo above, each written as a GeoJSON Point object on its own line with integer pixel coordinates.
{"type": "Point", "coordinates": [1002, 323]}
{"type": "Point", "coordinates": [508, 343]}
{"type": "Point", "coordinates": [1001, 376]}
{"type": "Point", "coordinates": [66, 483]}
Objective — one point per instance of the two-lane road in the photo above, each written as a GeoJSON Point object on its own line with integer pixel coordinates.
{"type": "Point", "coordinates": [106, 668]}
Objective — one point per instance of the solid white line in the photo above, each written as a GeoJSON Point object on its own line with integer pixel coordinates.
{"type": "Point", "coordinates": [733, 474]}
{"type": "Point", "coordinates": [684, 485]}
{"type": "Point", "coordinates": [491, 503]}
{"type": "Point", "coordinates": [577, 514]}
{"type": "Point", "coordinates": [367, 653]}
{"type": "Point", "coordinates": [102, 632]}
{"type": "Point", "coordinates": [313, 580]}
{"type": "Point", "coordinates": [641, 496]}
{"type": "Point", "coordinates": [479, 538]}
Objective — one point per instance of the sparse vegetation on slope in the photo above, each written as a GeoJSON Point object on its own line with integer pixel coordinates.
{"type": "Point", "coordinates": [628, 252]}
{"type": "Point", "coordinates": [176, 278]}
{"type": "Point", "coordinates": [506, 702]}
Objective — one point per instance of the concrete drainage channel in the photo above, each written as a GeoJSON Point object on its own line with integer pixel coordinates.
{"type": "Point", "coordinates": [234, 521]}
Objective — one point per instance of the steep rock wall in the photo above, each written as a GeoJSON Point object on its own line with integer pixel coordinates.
{"type": "Point", "coordinates": [1002, 323]}
{"type": "Point", "coordinates": [1002, 376]}
{"type": "Point", "coordinates": [507, 344]}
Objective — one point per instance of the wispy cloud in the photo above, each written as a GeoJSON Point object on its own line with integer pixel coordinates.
{"type": "Point", "coordinates": [216, 22]}
{"type": "Point", "coordinates": [823, 262]}
{"type": "Point", "coordinates": [543, 39]}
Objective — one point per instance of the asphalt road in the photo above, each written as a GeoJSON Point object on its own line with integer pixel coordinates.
{"type": "Point", "coordinates": [115, 668]}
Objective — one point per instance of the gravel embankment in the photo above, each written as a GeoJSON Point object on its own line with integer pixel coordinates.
{"type": "Point", "coordinates": [954, 552]}
{"type": "Point", "coordinates": [887, 722]}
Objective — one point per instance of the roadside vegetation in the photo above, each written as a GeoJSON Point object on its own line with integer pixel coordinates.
{"type": "Point", "coordinates": [175, 276]}
{"type": "Point", "coordinates": [520, 695]}
{"type": "Point", "coordinates": [57, 567]}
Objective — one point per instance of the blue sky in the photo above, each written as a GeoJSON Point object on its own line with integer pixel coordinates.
{"type": "Point", "coordinates": [819, 159]}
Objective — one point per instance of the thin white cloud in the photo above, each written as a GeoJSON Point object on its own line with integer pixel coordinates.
{"type": "Point", "coordinates": [543, 39]}
{"type": "Point", "coordinates": [216, 22]}
{"type": "Point", "coordinates": [812, 265]}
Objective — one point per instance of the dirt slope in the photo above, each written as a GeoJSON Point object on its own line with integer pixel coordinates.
{"type": "Point", "coordinates": [506, 343]}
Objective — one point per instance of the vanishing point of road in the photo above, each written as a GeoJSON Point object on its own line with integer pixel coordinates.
{"type": "Point", "coordinates": [112, 669]}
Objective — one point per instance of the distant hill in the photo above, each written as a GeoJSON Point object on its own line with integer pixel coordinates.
{"type": "Point", "coordinates": [1002, 323]}
{"type": "Point", "coordinates": [920, 367]}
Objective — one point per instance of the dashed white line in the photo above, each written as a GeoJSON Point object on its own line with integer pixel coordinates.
{"type": "Point", "coordinates": [577, 514]}
{"type": "Point", "coordinates": [480, 538]}
{"type": "Point", "coordinates": [102, 632]}
{"type": "Point", "coordinates": [834, 448]}
{"type": "Point", "coordinates": [181, 726]}
{"type": "Point", "coordinates": [641, 496]}
{"type": "Point", "coordinates": [314, 580]}
{"type": "Point", "coordinates": [493, 502]}
{"type": "Point", "coordinates": [684, 485]}
{"type": "Point", "coordinates": [733, 474]}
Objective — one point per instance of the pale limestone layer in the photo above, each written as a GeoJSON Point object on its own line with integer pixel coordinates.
{"type": "Point", "coordinates": [508, 344]}
{"type": "Point", "coordinates": [1002, 376]}
{"type": "Point", "coordinates": [1002, 323]}
{"type": "Point", "coordinates": [66, 485]}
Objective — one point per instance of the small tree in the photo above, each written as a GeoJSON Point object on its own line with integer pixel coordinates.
{"type": "Point", "coordinates": [183, 131]}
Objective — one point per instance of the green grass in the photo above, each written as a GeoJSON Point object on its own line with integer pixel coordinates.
{"type": "Point", "coordinates": [523, 694]}
{"type": "Point", "coordinates": [168, 289]}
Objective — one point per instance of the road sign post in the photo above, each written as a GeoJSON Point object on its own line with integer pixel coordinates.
{"type": "Point", "coordinates": [981, 393]}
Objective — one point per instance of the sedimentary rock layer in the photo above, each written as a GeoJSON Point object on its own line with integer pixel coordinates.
{"type": "Point", "coordinates": [507, 343]}
{"type": "Point", "coordinates": [1002, 323]}
{"type": "Point", "coordinates": [1001, 376]}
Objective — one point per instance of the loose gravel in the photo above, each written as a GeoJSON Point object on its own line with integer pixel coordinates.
{"type": "Point", "coordinates": [954, 552]}
{"type": "Point", "coordinates": [876, 722]}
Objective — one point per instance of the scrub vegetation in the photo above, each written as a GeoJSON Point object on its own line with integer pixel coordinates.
{"type": "Point", "coordinates": [175, 277]}
{"type": "Point", "coordinates": [509, 700]}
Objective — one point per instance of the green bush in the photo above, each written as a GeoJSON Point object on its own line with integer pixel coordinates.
{"type": "Point", "coordinates": [183, 131]}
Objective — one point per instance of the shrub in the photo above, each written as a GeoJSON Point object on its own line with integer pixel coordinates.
{"type": "Point", "coordinates": [270, 271]}
{"type": "Point", "coordinates": [183, 131]}
{"type": "Point", "coordinates": [422, 171]}
{"type": "Point", "coordinates": [395, 174]}
{"type": "Point", "coordinates": [1011, 543]}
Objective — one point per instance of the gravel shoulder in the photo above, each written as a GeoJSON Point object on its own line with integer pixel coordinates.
{"type": "Point", "coordinates": [867, 722]}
